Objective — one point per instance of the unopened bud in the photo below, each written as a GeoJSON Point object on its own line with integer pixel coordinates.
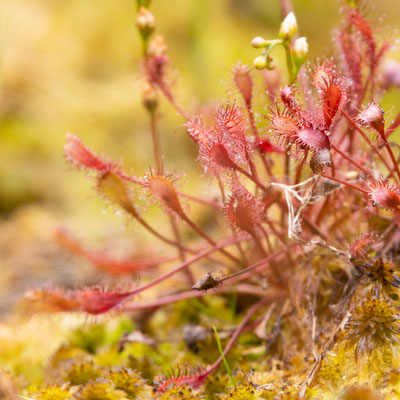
{"type": "Point", "coordinates": [299, 51]}
{"type": "Point", "coordinates": [260, 62]}
{"type": "Point", "coordinates": [157, 46]}
{"type": "Point", "coordinates": [288, 27]}
{"type": "Point", "coordinates": [149, 98]}
{"type": "Point", "coordinates": [258, 42]}
{"type": "Point", "coordinates": [145, 21]}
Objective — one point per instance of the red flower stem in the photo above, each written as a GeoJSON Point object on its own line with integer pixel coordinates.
{"type": "Point", "coordinates": [258, 264]}
{"type": "Point", "coordinates": [392, 157]}
{"type": "Point", "coordinates": [323, 210]}
{"type": "Point", "coordinates": [199, 200]}
{"type": "Point", "coordinates": [237, 245]}
{"type": "Point", "coordinates": [279, 235]}
{"type": "Point", "coordinates": [173, 298]}
{"type": "Point", "coordinates": [240, 248]}
{"type": "Point", "coordinates": [158, 162]}
{"type": "Point", "coordinates": [345, 183]}
{"type": "Point", "coordinates": [286, 7]}
{"type": "Point", "coordinates": [184, 265]}
{"type": "Point", "coordinates": [166, 240]}
{"type": "Point", "coordinates": [266, 235]}
{"type": "Point", "coordinates": [267, 167]}
{"type": "Point", "coordinates": [314, 229]}
{"type": "Point", "coordinates": [300, 168]}
{"type": "Point", "coordinates": [253, 309]}
{"type": "Point", "coordinates": [197, 229]}
{"type": "Point", "coordinates": [367, 139]}
{"type": "Point", "coordinates": [180, 250]}
{"type": "Point", "coordinates": [259, 244]}
{"type": "Point", "coordinates": [159, 235]}
{"type": "Point", "coordinates": [129, 178]}
{"type": "Point", "coordinates": [251, 177]}
{"type": "Point", "coordinates": [156, 140]}
{"type": "Point", "coordinates": [255, 133]}
{"type": "Point", "coordinates": [173, 102]}
{"type": "Point", "coordinates": [393, 126]}
{"type": "Point", "coordinates": [287, 165]}
{"type": "Point", "coordinates": [252, 166]}
{"type": "Point", "coordinates": [221, 188]}
{"type": "Point", "coordinates": [251, 118]}
{"type": "Point", "coordinates": [355, 163]}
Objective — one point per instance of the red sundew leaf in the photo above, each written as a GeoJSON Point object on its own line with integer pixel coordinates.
{"type": "Point", "coordinates": [332, 98]}
{"type": "Point", "coordinates": [100, 258]}
{"type": "Point", "coordinates": [161, 188]}
{"type": "Point", "coordinates": [312, 139]}
{"type": "Point", "coordinates": [194, 381]}
{"type": "Point", "coordinates": [385, 196]}
{"type": "Point", "coordinates": [243, 81]}
{"type": "Point", "coordinates": [288, 97]}
{"type": "Point", "coordinates": [180, 378]}
{"type": "Point", "coordinates": [352, 58]}
{"type": "Point", "coordinates": [196, 130]}
{"type": "Point", "coordinates": [214, 157]}
{"type": "Point", "coordinates": [284, 125]}
{"type": "Point", "coordinates": [49, 301]}
{"type": "Point", "coordinates": [230, 120]}
{"type": "Point", "coordinates": [93, 301]}
{"type": "Point", "coordinates": [220, 155]}
{"type": "Point", "coordinates": [77, 153]}
{"type": "Point", "coordinates": [363, 26]}
{"type": "Point", "coordinates": [323, 73]}
{"type": "Point", "coordinates": [243, 209]}
{"type": "Point", "coordinates": [360, 246]}
{"type": "Point", "coordinates": [120, 267]}
{"type": "Point", "coordinates": [373, 116]}
{"type": "Point", "coordinates": [231, 128]}
{"type": "Point", "coordinates": [331, 89]}
{"type": "Point", "coordinates": [96, 301]}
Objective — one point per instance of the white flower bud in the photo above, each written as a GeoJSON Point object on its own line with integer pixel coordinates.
{"type": "Point", "coordinates": [145, 20]}
{"type": "Point", "coordinates": [260, 62]}
{"type": "Point", "coordinates": [288, 27]}
{"type": "Point", "coordinates": [258, 42]}
{"type": "Point", "coordinates": [299, 51]}
{"type": "Point", "coordinates": [300, 47]}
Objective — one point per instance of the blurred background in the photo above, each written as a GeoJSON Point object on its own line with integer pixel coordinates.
{"type": "Point", "coordinates": [72, 66]}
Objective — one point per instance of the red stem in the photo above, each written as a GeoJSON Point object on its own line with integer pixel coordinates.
{"type": "Point", "coordinates": [173, 298]}
{"type": "Point", "coordinates": [251, 177]}
{"type": "Point", "coordinates": [355, 163]}
{"type": "Point", "coordinates": [197, 229]}
{"type": "Point", "coordinates": [345, 183]}
{"type": "Point", "coordinates": [183, 266]}
{"type": "Point", "coordinates": [367, 139]}
{"type": "Point", "coordinates": [254, 308]}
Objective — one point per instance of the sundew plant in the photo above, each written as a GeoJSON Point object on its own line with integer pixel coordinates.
{"type": "Point", "coordinates": [292, 292]}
